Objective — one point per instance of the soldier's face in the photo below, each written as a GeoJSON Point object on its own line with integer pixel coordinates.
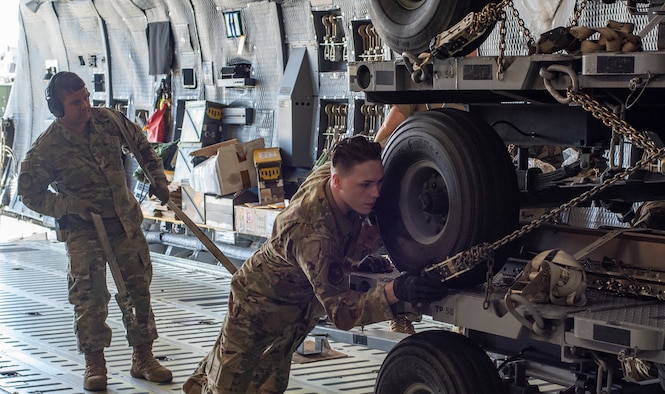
{"type": "Point", "coordinates": [76, 106]}
{"type": "Point", "coordinates": [359, 189]}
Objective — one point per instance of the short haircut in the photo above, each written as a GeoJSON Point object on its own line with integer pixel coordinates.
{"type": "Point", "coordinates": [354, 150]}
{"type": "Point", "coordinates": [65, 82]}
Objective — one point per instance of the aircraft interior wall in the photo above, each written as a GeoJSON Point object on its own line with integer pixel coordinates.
{"type": "Point", "coordinates": [106, 43]}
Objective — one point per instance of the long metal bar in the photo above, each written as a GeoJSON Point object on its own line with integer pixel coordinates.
{"type": "Point", "coordinates": [212, 248]}
{"type": "Point", "coordinates": [653, 22]}
{"type": "Point", "coordinates": [124, 300]}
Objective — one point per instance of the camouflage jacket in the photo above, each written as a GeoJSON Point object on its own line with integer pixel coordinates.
{"type": "Point", "coordinates": [306, 259]}
{"type": "Point", "coordinates": [63, 167]}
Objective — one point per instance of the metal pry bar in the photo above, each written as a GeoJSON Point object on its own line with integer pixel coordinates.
{"type": "Point", "coordinates": [207, 242]}
{"type": "Point", "coordinates": [122, 297]}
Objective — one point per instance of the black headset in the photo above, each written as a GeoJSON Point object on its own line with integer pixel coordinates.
{"type": "Point", "coordinates": [54, 104]}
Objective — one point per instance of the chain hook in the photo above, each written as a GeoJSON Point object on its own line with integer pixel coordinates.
{"type": "Point", "coordinates": [550, 73]}
{"type": "Point", "coordinates": [416, 65]}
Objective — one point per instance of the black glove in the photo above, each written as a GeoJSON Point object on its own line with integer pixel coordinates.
{"type": "Point", "coordinates": [160, 190]}
{"type": "Point", "coordinates": [84, 208]}
{"type": "Point", "coordinates": [419, 289]}
{"type": "Point", "coordinates": [374, 263]}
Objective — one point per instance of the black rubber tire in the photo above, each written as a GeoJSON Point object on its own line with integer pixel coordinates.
{"type": "Point", "coordinates": [438, 362]}
{"type": "Point", "coordinates": [449, 184]}
{"type": "Point", "coordinates": [405, 29]}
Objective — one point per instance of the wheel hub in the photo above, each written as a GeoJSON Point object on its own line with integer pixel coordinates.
{"type": "Point", "coordinates": [424, 202]}
{"type": "Point", "coordinates": [411, 4]}
{"type": "Point", "coordinates": [418, 388]}
{"type": "Point", "coordinates": [434, 199]}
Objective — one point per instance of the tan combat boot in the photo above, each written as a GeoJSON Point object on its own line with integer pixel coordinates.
{"type": "Point", "coordinates": [95, 371]}
{"type": "Point", "coordinates": [144, 365]}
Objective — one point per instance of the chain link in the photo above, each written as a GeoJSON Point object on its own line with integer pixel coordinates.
{"type": "Point", "coordinates": [501, 59]}
{"type": "Point", "coordinates": [493, 13]}
{"type": "Point", "coordinates": [463, 261]}
{"type": "Point", "coordinates": [488, 16]}
{"type": "Point", "coordinates": [531, 43]}
{"type": "Point", "coordinates": [578, 13]}
{"type": "Point", "coordinates": [610, 119]}
{"type": "Point", "coordinates": [467, 259]}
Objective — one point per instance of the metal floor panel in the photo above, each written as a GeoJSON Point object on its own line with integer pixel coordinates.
{"type": "Point", "coordinates": [38, 348]}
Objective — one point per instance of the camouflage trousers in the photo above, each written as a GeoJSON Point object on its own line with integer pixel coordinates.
{"type": "Point", "coordinates": [87, 284]}
{"type": "Point", "coordinates": [253, 351]}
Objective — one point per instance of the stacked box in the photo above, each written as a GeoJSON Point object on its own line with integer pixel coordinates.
{"type": "Point", "coordinates": [219, 212]}
{"type": "Point", "coordinates": [183, 163]}
{"type": "Point", "coordinates": [229, 170]}
{"type": "Point", "coordinates": [255, 221]}
{"type": "Point", "coordinates": [202, 122]}
{"type": "Point", "coordinates": [220, 209]}
{"type": "Point", "coordinates": [268, 163]}
{"type": "Point", "coordinates": [193, 204]}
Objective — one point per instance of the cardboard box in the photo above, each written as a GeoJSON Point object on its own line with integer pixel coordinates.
{"type": "Point", "coordinates": [202, 122]}
{"type": "Point", "coordinates": [220, 209]}
{"type": "Point", "coordinates": [211, 150]}
{"type": "Point", "coordinates": [193, 204]}
{"type": "Point", "coordinates": [255, 221]}
{"type": "Point", "coordinates": [183, 163]}
{"type": "Point", "coordinates": [219, 212]}
{"type": "Point", "coordinates": [230, 171]}
{"type": "Point", "coordinates": [268, 163]}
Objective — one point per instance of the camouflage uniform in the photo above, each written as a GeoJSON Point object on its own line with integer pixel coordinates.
{"type": "Point", "coordinates": [89, 166]}
{"type": "Point", "coordinates": [299, 275]}
{"type": "Point", "coordinates": [650, 214]}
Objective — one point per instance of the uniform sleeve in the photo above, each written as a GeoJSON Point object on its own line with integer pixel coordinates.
{"type": "Point", "coordinates": [151, 159]}
{"type": "Point", "coordinates": [33, 187]}
{"type": "Point", "coordinates": [327, 271]}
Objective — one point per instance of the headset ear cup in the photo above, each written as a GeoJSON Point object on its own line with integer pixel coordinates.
{"type": "Point", "coordinates": [54, 104]}
{"type": "Point", "coordinates": [55, 107]}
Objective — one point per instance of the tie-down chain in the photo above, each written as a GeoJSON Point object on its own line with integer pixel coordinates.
{"type": "Point", "coordinates": [465, 260]}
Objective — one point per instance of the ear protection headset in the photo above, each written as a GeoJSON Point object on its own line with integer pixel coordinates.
{"type": "Point", "coordinates": [54, 104]}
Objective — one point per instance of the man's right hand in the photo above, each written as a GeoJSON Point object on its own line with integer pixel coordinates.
{"type": "Point", "coordinates": [85, 207]}
{"type": "Point", "coordinates": [160, 189]}
{"type": "Point", "coordinates": [417, 289]}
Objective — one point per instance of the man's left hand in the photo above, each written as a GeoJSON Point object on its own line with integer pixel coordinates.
{"type": "Point", "coordinates": [160, 189]}
{"type": "Point", "coordinates": [374, 263]}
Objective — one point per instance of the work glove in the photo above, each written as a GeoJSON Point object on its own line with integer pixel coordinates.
{"type": "Point", "coordinates": [417, 289]}
{"type": "Point", "coordinates": [374, 263]}
{"type": "Point", "coordinates": [85, 207]}
{"type": "Point", "coordinates": [160, 189]}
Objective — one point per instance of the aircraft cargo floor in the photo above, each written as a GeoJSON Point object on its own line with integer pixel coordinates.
{"type": "Point", "coordinates": [38, 349]}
